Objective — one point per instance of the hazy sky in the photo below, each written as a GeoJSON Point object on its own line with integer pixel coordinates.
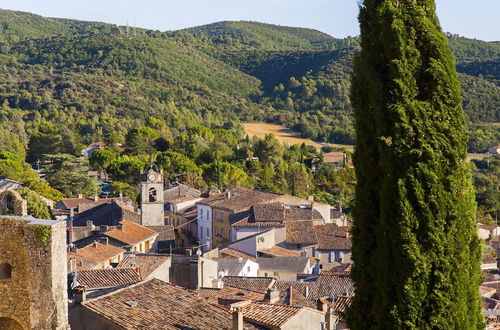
{"type": "Point", "coordinates": [474, 19]}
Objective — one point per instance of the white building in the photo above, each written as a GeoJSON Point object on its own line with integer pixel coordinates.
{"type": "Point", "coordinates": [238, 267]}
{"type": "Point", "coordinates": [204, 213]}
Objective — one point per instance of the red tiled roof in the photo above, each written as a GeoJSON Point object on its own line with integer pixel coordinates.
{"type": "Point", "coordinates": [183, 199]}
{"type": "Point", "coordinates": [488, 259]}
{"type": "Point", "coordinates": [159, 305]}
{"type": "Point", "coordinates": [270, 315]}
{"type": "Point", "coordinates": [332, 237]}
{"type": "Point", "coordinates": [146, 262]}
{"type": "Point", "coordinates": [258, 284]}
{"type": "Point", "coordinates": [94, 254]}
{"type": "Point", "coordinates": [332, 284]}
{"type": "Point", "coordinates": [229, 295]}
{"type": "Point", "coordinates": [132, 233]}
{"type": "Point", "coordinates": [232, 253]}
{"type": "Point", "coordinates": [300, 232]}
{"type": "Point", "coordinates": [107, 278]}
{"type": "Point", "coordinates": [341, 305]}
{"type": "Point", "coordinates": [278, 251]}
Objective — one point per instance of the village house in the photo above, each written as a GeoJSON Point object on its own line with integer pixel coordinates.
{"type": "Point", "coordinates": [334, 245]}
{"type": "Point", "coordinates": [487, 231]}
{"type": "Point", "coordinates": [87, 151]}
{"type": "Point", "coordinates": [237, 267]}
{"type": "Point", "coordinates": [494, 150]}
{"type": "Point", "coordinates": [132, 237]}
{"type": "Point", "coordinates": [284, 268]}
{"type": "Point", "coordinates": [488, 262]}
{"type": "Point", "coordinates": [153, 304]}
{"type": "Point", "coordinates": [176, 190]}
{"type": "Point", "coordinates": [181, 214]}
{"type": "Point", "coordinates": [151, 265]}
{"type": "Point", "coordinates": [218, 214]}
{"type": "Point", "coordinates": [94, 256]}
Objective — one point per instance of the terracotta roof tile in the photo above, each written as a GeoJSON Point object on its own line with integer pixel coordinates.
{"type": "Point", "coordinates": [269, 315]}
{"type": "Point", "coordinates": [132, 233]}
{"type": "Point", "coordinates": [278, 251]}
{"type": "Point", "coordinates": [341, 305]}
{"type": "Point", "coordinates": [146, 262]}
{"type": "Point", "coordinates": [232, 253]}
{"type": "Point", "coordinates": [332, 237]}
{"type": "Point", "coordinates": [300, 232]}
{"type": "Point", "coordinates": [229, 295]}
{"type": "Point", "coordinates": [160, 305]}
{"type": "Point", "coordinates": [94, 254]}
{"type": "Point", "coordinates": [332, 284]}
{"type": "Point", "coordinates": [107, 278]}
{"type": "Point", "coordinates": [258, 284]}
{"type": "Point", "coordinates": [488, 259]}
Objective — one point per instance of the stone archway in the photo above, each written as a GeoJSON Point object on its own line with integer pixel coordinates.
{"type": "Point", "coordinates": [12, 203]}
{"type": "Point", "coordinates": [9, 324]}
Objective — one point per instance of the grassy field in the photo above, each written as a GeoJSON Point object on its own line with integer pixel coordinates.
{"type": "Point", "coordinates": [285, 135]}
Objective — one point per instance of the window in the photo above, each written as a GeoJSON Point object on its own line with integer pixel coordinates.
{"type": "Point", "coordinates": [248, 269]}
{"type": "Point", "coordinates": [208, 233]}
{"type": "Point", "coordinates": [222, 232]}
{"type": "Point", "coordinates": [201, 213]}
{"type": "Point", "coordinates": [152, 195]}
{"type": "Point", "coordinates": [331, 256]}
{"type": "Point", "coordinates": [5, 271]}
{"type": "Point", "coordinates": [201, 232]}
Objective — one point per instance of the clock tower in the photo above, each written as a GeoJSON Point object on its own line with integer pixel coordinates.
{"type": "Point", "coordinates": [152, 204]}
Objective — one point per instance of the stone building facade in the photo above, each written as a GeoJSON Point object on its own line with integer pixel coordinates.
{"type": "Point", "coordinates": [33, 282]}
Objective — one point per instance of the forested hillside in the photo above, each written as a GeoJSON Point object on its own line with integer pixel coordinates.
{"type": "Point", "coordinates": [181, 95]}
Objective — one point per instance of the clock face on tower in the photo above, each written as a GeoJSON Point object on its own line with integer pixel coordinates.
{"type": "Point", "coordinates": [151, 177]}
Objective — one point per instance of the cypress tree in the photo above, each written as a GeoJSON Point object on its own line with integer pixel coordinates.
{"type": "Point", "coordinates": [415, 248]}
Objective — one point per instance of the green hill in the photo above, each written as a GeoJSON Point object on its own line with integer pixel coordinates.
{"type": "Point", "coordinates": [93, 78]}
{"type": "Point", "coordinates": [245, 34]}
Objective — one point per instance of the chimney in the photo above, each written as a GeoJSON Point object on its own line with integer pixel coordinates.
{"type": "Point", "coordinates": [72, 265]}
{"type": "Point", "coordinates": [331, 320]}
{"type": "Point", "coordinates": [322, 304]}
{"type": "Point", "coordinates": [90, 225]}
{"type": "Point", "coordinates": [120, 227]}
{"type": "Point", "coordinates": [310, 198]}
{"type": "Point", "coordinates": [80, 295]}
{"type": "Point", "coordinates": [80, 195]}
{"type": "Point", "coordinates": [228, 194]}
{"type": "Point", "coordinates": [237, 318]}
{"type": "Point", "coordinates": [121, 196]}
{"type": "Point", "coordinates": [307, 292]}
{"type": "Point", "coordinates": [94, 244]}
{"type": "Point", "coordinates": [273, 296]}
{"type": "Point", "coordinates": [96, 198]}
{"type": "Point", "coordinates": [103, 228]}
{"type": "Point", "coordinates": [104, 240]}
{"type": "Point", "coordinates": [346, 234]}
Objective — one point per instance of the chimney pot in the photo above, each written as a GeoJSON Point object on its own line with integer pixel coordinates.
{"type": "Point", "coordinates": [94, 244]}
{"type": "Point", "coordinates": [237, 318]}
{"type": "Point", "coordinates": [80, 295]}
{"type": "Point", "coordinates": [104, 240]}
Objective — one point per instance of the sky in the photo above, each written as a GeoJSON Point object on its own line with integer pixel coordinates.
{"type": "Point", "coordinates": [474, 19]}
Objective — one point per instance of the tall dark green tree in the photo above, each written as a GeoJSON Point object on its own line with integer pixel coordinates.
{"type": "Point", "coordinates": [415, 249]}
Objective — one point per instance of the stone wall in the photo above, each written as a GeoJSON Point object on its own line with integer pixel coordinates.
{"type": "Point", "coordinates": [35, 295]}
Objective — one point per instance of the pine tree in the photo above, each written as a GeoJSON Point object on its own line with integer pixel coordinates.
{"type": "Point", "coordinates": [415, 248]}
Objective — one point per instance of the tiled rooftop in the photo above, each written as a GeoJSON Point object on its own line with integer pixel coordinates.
{"type": "Point", "coordinates": [332, 237]}
{"type": "Point", "coordinates": [229, 295]}
{"type": "Point", "coordinates": [332, 284]}
{"type": "Point", "coordinates": [146, 262]}
{"type": "Point", "coordinates": [300, 232]}
{"type": "Point", "coordinates": [269, 315]}
{"type": "Point", "coordinates": [107, 278]}
{"type": "Point", "coordinates": [278, 251]}
{"type": "Point", "coordinates": [94, 254]}
{"type": "Point", "coordinates": [488, 259]}
{"type": "Point", "coordinates": [232, 253]}
{"type": "Point", "coordinates": [258, 284]}
{"type": "Point", "coordinates": [283, 264]}
{"type": "Point", "coordinates": [159, 305]}
{"type": "Point", "coordinates": [131, 233]}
